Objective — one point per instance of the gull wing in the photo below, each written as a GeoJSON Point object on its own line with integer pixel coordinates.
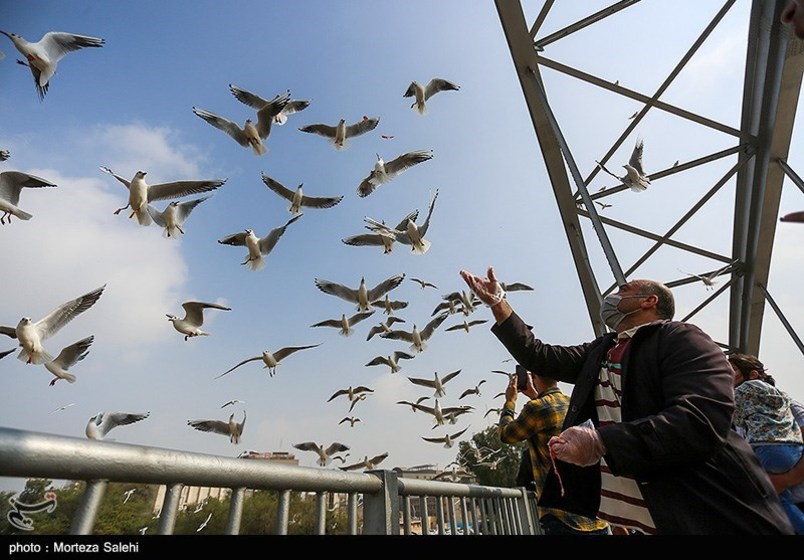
{"type": "Point", "coordinates": [398, 335]}
{"type": "Point", "coordinates": [367, 185]}
{"type": "Point", "coordinates": [265, 116]}
{"type": "Point", "coordinates": [185, 208]}
{"type": "Point", "coordinates": [225, 125]}
{"type": "Point", "coordinates": [320, 129]}
{"type": "Point", "coordinates": [459, 434]}
{"type": "Point", "coordinates": [401, 226]}
{"type": "Point", "coordinates": [411, 91]}
{"type": "Point", "coordinates": [335, 447]}
{"type": "Point", "coordinates": [423, 283]}
{"type": "Point", "coordinates": [435, 440]}
{"type": "Point", "coordinates": [338, 290]}
{"type": "Point", "coordinates": [449, 376]}
{"type": "Point", "coordinates": [74, 353]}
{"type": "Point", "coordinates": [361, 127]}
{"type": "Point", "coordinates": [12, 182]}
{"type": "Point", "coordinates": [238, 239]}
{"type": "Point", "coordinates": [6, 353]}
{"type": "Point", "coordinates": [308, 446]}
{"type": "Point", "coordinates": [177, 189]}
{"type": "Point", "coordinates": [278, 187]}
{"type": "Point", "coordinates": [328, 323]}
{"type": "Point", "coordinates": [247, 360]}
{"type": "Point", "coordinates": [636, 158]}
{"type": "Point", "coordinates": [320, 201]}
{"type": "Point", "coordinates": [426, 224]}
{"type": "Point", "coordinates": [215, 426]}
{"type": "Point", "coordinates": [114, 419]}
{"type": "Point", "coordinates": [9, 331]}
{"type": "Point", "coordinates": [246, 97]}
{"type": "Point", "coordinates": [123, 180]}
{"type": "Point", "coordinates": [268, 242]}
{"type": "Point", "coordinates": [399, 355]}
{"type": "Point", "coordinates": [364, 240]}
{"type": "Point", "coordinates": [357, 317]}
{"type": "Point", "coordinates": [194, 311]}
{"type": "Point", "coordinates": [57, 44]}
{"type": "Point", "coordinates": [428, 331]}
{"type": "Point", "coordinates": [423, 382]}
{"type": "Point", "coordinates": [376, 460]}
{"type": "Point", "coordinates": [379, 361]}
{"type": "Point", "coordinates": [66, 312]}
{"type": "Point", "coordinates": [515, 287]}
{"type": "Point", "coordinates": [288, 350]}
{"type": "Point", "coordinates": [385, 286]}
{"type": "Point", "coordinates": [439, 84]}
{"type": "Point", "coordinates": [406, 161]}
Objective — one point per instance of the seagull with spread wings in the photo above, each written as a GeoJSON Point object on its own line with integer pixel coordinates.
{"type": "Point", "coordinates": [103, 422]}
{"type": "Point", "coordinates": [378, 239]}
{"type": "Point", "coordinates": [437, 383]}
{"type": "Point", "coordinates": [466, 325]}
{"type": "Point", "coordinates": [31, 335]}
{"type": "Point", "coordinates": [140, 193]}
{"type": "Point", "coordinates": [388, 306]}
{"type": "Point", "coordinates": [297, 198]}
{"type": "Point", "coordinates": [473, 390]}
{"type": "Point", "coordinates": [366, 463]}
{"type": "Point", "coordinates": [362, 296]}
{"type": "Point", "coordinates": [635, 177]}
{"type": "Point", "coordinates": [271, 359]}
{"type": "Point", "coordinates": [423, 283]}
{"type": "Point", "coordinates": [325, 455]}
{"type": "Point", "coordinates": [291, 107]}
{"type": "Point", "coordinates": [415, 337]}
{"type": "Point", "coordinates": [339, 133]}
{"type": "Point", "coordinates": [67, 358]}
{"type": "Point", "coordinates": [384, 327]}
{"type": "Point", "coordinates": [351, 419]}
{"type": "Point", "coordinates": [345, 323]}
{"type": "Point", "coordinates": [412, 234]}
{"type": "Point", "coordinates": [190, 325]}
{"type": "Point", "coordinates": [423, 93]}
{"type": "Point", "coordinates": [448, 440]}
{"type": "Point", "coordinates": [708, 279]}
{"type": "Point", "coordinates": [258, 247]}
{"type": "Point", "coordinates": [11, 185]}
{"type": "Point", "coordinates": [391, 361]}
{"type": "Point", "coordinates": [174, 216]}
{"type": "Point", "coordinates": [231, 428]}
{"type": "Point", "coordinates": [384, 172]}
{"type": "Point", "coordinates": [250, 135]}
{"type": "Point", "coordinates": [43, 56]}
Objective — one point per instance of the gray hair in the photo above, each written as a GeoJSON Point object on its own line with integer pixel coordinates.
{"type": "Point", "coordinates": [666, 307]}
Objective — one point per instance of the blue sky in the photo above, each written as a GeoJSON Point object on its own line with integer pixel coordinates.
{"type": "Point", "coordinates": [128, 106]}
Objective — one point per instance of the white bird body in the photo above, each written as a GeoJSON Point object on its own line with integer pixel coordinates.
{"type": "Point", "coordinates": [466, 325]}
{"type": "Point", "coordinates": [325, 455]}
{"type": "Point", "coordinates": [415, 337]}
{"type": "Point", "coordinates": [128, 494]}
{"type": "Point", "coordinates": [389, 306]}
{"type": "Point", "coordinates": [103, 422]}
{"type": "Point", "coordinates": [204, 523]}
{"type": "Point", "coordinates": [140, 193]}
{"type": "Point", "coordinates": [11, 184]}
{"type": "Point", "coordinates": [271, 359]}
{"type": "Point", "coordinates": [448, 440]}
{"type": "Point", "coordinates": [391, 361]}
{"type": "Point", "coordinates": [297, 198]}
{"type": "Point", "coordinates": [174, 216]}
{"type": "Point", "coordinates": [190, 325]}
{"type": "Point", "coordinates": [379, 239]}
{"type": "Point", "coordinates": [339, 133]}
{"type": "Point", "coordinates": [411, 234]}
{"type": "Point", "coordinates": [43, 56]}
{"type": "Point", "coordinates": [31, 335]}
{"type": "Point", "coordinates": [423, 93]}
{"type": "Point", "coordinates": [366, 463]}
{"type": "Point", "coordinates": [258, 247]}
{"type": "Point", "coordinates": [436, 383]}
{"type": "Point", "coordinates": [68, 357]}
{"type": "Point", "coordinates": [384, 172]}
{"type": "Point", "coordinates": [362, 296]}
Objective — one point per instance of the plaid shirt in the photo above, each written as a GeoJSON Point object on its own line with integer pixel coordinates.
{"type": "Point", "coordinates": [541, 419]}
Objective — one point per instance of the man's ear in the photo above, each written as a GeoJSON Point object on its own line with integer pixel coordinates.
{"type": "Point", "coordinates": [650, 301]}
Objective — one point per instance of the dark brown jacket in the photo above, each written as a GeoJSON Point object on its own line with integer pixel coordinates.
{"type": "Point", "coordinates": [696, 474]}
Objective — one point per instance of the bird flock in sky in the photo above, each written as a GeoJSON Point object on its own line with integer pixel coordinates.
{"type": "Point", "coordinates": [42, 58]}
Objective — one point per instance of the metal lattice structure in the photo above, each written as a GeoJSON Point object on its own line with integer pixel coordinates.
{"type": "Point", "coordinates": [771, 86]}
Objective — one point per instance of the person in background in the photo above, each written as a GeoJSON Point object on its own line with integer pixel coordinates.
{"type": "Point", "coordinates": [540, 419]}
{"type": "Point", "coordinates": [764, 416]}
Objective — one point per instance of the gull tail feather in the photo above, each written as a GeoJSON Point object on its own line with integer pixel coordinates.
{"type": "Point", "coordinates": [68, 377]}
{"type": "Point", "coordinates": [259, 149]}
{"type": "Point", "coordinates": [421, 250]}
{"type": "Point", "coordinates": [143, 217]}
{"type": "Point", "coordinates": [256, 264]}
{"type": "Point", "coordinates": [37, 358]}
{"type": "Point", "coordinates": [22, 215]}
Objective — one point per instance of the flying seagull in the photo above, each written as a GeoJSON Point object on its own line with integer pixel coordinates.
{"type": "Point", "coordinates": [140, 193]}
{"type": "Point", "coordinates": [384, 327]}
{"type": "Point", "coordinates": [351, 419]}
{"type": "Point", "coordinates": [11, 184]}
{"type": "Point", "coordinates": [351, 392]}
{"type": "Point", "coordinates": [378, 239]}
{"type": "Point", "coordinates": [423, 283]}
{"type": "Point", "coordinates": [366, 463]}
{"type": "Point", "coordinates": [204, 523]}
{"type": "Point", "coordinates": [250, 135]}
{"type": "Point", "coordinates": [345, 324]}
{"type": "Point", "coordinates": [473, 390]}
{"type": "Point", "coordinates": [447, 440]}
{"type": "Point", "coordinates": [271, 359]}
{"type": "Point", "coordinates": [258, 247]}
{"type": "Point", "coordinates": [297, 198]}
{"type": "Point", "coordinates": [103, 422]}
{"type": "Point", "coordinates": [423, 93]}
{"type": "Point", "coordinates": [708, 280]}
{"type": "Point", "coordinates": [436, 383]}
{"type": "Point", "coordinates": [325, 455]}
{"type": "Point", "coordinates": [128, 494]}
{"type": "Point", "coordinates": [231, 428]}
{"type": "Point", "coordinates": [465, 326]}
{"type": "Point", "coordinates": [190, 325]}
{"type": "Point", "coordinates": [362, 296]}
{"type": "Point", "coordinates": [231, 402]}
{"type": "Point", "coordinates": [415, 337]}
{"type": "Point", "coordinates": [31, 335]}
{"type": "Point", "coordinates": [68, 357]}
{"type": "Point", "coordinates": [388, 306]}
{"type": "Point", "coordinates": [292, 106]}
{"type": "Point", "coordinates": [174, 216]}
{"type": "Point", "coordinates": [442, 415]}
{"type": "Point", "coordinates": [466, 300]}
{"type": "Point", "coordinates": [66, 406]}
{"type": "Point", "coordinates": [414, 405]}
{"type": "Point", "coordinates": [339, 133]}
{"type": "Point", "coordinates": [635, 177]}
{"type": "Point", "coordinates": [391, 361]}
{"type": "Point", "coordinates": [384, 172]}
{"type": "Point", "coordinates": [44, 55]}
{"type": "Point", "coordinates": [412, 234]}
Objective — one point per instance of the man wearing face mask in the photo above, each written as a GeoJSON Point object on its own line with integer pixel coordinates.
{"type": "Point", "coordinates": [661, 458]}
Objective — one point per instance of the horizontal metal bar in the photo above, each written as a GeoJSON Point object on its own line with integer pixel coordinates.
{"type": "Point", "coordinates": [585, 22]}
{"type": "Point", "coordinates": [418, 487]}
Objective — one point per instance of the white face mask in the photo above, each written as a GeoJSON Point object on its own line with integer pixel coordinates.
{"type": "Point", "coordinates": [610, 313]}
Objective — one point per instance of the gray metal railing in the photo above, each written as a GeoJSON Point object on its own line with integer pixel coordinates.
{"type": "Point", "coordinates": [387, 498]}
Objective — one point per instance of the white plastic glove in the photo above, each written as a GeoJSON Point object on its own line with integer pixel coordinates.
{"type": "Point", "coordinates": [578, 445]}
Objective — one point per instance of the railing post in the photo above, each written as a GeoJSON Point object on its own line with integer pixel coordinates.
{"type": "Point", "coordinates": [406, 514]}
{"type": "Point", "coordinates": [235, 511]}
{"type": "Point", "coordinates": [170, 506]}
{"type": "Point", "coordinates": [84, 519]}
{"type": "Point", "coordinates": [320, 513]}
{"type": "Point", "coordinates": [282, 512]}
{"type": "Point", "coordinates": [525, 515]}
{"type": "Point", "coordinates": [425, 515]}
{"type": "Point", "coordinates": [352, 515]}
{"type": "Point", "coordinates": [381, 509]}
